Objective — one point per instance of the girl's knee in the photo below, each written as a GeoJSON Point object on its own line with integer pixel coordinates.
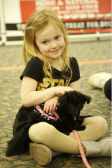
{"type": "Point", "coordinates": [98, 123]}
{"type": "Point", "coordinates": [41, 132]}
{"type": "Point", "coordinates": [101, 124]}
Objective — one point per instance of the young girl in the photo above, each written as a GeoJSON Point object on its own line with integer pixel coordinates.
{"type": "Point", "coordinates": [50, 72]}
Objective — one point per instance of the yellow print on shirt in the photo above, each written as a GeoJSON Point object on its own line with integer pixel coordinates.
{"type": "Point", "coordinates": [47, 82]}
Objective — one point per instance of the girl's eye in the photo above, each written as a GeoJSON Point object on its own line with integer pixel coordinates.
{"type": "Point", "coordinates": [44, 42]}
{"type": "Point", "coordinates": [57, 37]}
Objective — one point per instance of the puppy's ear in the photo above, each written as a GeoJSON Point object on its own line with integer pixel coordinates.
{"type": "Point", "coordinates": [74, 97]}
{"type": "Point", "coordinates": [88, 99]}
{"type": "Point", "coordinates": [82, 98]}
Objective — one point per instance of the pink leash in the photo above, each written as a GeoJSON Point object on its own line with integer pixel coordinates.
{"type": "Point", "coordinates": [81, 149]}
{"type": "Point", "coordinates": [47, 115]}
{"type": "Point", "coordinates": [74, 131]}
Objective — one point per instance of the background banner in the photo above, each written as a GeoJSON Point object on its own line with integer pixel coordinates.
{"type": "Point", "coordinates": [79, 16]}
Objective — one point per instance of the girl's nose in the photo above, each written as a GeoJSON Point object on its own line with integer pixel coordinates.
{"type": "Point", "coordinates": [54, 45]}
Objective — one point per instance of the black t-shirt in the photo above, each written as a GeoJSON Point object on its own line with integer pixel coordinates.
{"type": "Point", "coordinates": [34, 70]}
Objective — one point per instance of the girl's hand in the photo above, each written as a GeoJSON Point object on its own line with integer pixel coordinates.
{"type": "Point", "coordinates": [51, 104]}
{"type": "Point", "coordinates": [62, 90]}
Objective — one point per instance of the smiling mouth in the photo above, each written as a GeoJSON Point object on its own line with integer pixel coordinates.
{"type": "Point", "coordinates": [55, 51]}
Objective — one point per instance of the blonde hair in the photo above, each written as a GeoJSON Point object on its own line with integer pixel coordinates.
{"type": "Point", "coordinates": [35, 24]}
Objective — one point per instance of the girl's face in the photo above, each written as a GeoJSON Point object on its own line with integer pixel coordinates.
{"type": "Point", "coordinates": [50, 42]}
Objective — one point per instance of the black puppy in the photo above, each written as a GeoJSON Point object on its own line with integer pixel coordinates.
{"type": "Point", "coordinates": [68, 109]}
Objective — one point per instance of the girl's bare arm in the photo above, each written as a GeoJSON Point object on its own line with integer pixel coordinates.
{"type": "Point", "coordinates": [75, 85]}
{"type": "Point", "coordinates": [31, 97]}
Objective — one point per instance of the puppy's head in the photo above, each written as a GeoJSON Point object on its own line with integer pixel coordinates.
{"type": "Point", "coordinates": [74, 98]}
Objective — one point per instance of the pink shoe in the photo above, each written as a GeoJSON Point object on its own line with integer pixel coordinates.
{"type": "Point", "coordinates": [41, 153]}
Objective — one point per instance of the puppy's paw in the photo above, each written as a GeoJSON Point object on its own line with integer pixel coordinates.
{"type": "Point", "coordinates": [83, 127]}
